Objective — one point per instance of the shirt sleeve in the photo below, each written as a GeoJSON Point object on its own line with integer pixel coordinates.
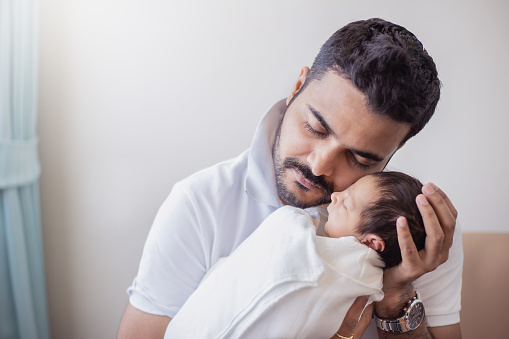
{"type": "Point", "coordinates": [173, 262]}
{"type": "Point", "coordinates": [441, 289]}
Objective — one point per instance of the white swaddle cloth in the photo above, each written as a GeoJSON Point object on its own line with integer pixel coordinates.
{"type": "Point", "coordinates": [283, 281]}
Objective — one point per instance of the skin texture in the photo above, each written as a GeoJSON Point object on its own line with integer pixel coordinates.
{"type": "Point", "coordinates": [337, 155]}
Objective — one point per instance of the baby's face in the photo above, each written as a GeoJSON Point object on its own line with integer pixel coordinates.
{"type": "Point", "coordinates": [346, 207]}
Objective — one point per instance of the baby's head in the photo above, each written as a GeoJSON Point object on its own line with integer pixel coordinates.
{"type": "Point", "coordinates": [369, 209]}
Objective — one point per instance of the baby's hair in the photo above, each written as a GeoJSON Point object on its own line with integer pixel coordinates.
{"type": "Point", "coordinates": [397, 192]}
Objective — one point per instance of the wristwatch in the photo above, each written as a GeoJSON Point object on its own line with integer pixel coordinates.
{"type": "Point", "coordinates": [412, 317]}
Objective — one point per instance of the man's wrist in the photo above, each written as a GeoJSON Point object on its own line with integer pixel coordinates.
{"type": "Point", "coordinates": [394, 301]}
{"type": "Point", "coordinates": [410, 319]}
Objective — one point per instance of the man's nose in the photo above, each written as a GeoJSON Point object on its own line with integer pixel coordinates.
{"type": "Point", "coordinates": [321, 162]}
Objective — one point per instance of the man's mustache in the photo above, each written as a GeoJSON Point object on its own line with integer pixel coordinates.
{"type": "Point", "coordinates": [306, 172]}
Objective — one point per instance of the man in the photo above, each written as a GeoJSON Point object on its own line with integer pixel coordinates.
{"type": "Point", "coordinates": [371, 88]}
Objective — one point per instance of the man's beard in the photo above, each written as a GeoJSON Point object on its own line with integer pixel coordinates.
{"type": "Point", "coordinates": [280, 167]}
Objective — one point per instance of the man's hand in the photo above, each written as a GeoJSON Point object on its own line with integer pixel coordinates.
{"type": "Point", "coordinates": [354, 323]}
{"type": "Point", "coordinates": [439, 216]}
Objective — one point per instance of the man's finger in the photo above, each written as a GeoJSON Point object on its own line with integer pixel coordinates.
{"type": "Point", "coordinates": [351, 320]}
{"type": "Point", "coordinates": [444, 211]}
{"type": "Point", "coordinates": [409, 253]}
{"type": "Point", "coordinates": [444, 196]}
{"type": "Point", "coordinates": [434, 234]}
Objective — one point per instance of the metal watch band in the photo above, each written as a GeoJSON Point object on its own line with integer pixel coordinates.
{"type": "Point", "coordinates": [393, 326]}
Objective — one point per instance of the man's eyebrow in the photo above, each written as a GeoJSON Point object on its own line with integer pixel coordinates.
{"type": "Point", "coordinates": [321, 120]}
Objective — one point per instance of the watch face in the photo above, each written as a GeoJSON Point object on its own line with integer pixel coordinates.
{"type": "Point", "coordinates": [415, 314]}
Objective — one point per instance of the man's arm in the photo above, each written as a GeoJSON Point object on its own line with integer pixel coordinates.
{"type": "Point", "coordinates": [171, 264]}
{"type": "Point", "coordinates": [356, 320]}
{"type": "Point", "coordinates": [442, 332]}
{"type": "Point", "coordinates": [439, 216]}
{"type": "Point", "coordinates": [450, 331]}
{"type": "Point", "coordinates": [138, 324]}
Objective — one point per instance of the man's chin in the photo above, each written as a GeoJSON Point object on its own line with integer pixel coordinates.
{"type": "Point", "coordinates": [302, 201]}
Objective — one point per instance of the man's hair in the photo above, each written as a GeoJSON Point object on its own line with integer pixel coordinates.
{"type": "Point", "coordinates": [389, 65]}
{"type": "Point", "coordinates": [397, 192]}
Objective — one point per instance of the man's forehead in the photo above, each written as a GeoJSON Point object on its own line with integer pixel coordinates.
{"type": "Point", "coordinates": [345, 109]}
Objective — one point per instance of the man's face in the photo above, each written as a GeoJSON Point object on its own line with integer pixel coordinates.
{"type": "Point", "coordinates": [328, 139]}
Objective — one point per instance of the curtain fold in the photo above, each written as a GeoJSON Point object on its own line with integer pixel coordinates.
{"type": "Point", "coordinates": [23, 305]}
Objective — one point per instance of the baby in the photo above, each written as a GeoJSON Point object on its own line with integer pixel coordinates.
{"type": "Point", "coordinates": [369, 209]}
{"type": "Point", "coordinates": [285, 281]}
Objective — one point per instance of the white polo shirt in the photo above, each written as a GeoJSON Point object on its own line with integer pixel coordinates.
{"type": "Point", "coordinates": [207, 215]}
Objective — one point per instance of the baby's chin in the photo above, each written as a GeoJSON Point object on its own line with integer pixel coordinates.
{"type": "Point", "coordinates": [325, 226]}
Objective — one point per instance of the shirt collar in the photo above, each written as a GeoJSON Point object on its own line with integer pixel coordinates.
{"type": "Point", "coordinates": [260, 180]}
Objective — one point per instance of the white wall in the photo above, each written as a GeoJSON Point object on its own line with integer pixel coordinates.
{"type": "Point", "coordinates": [135, 95]}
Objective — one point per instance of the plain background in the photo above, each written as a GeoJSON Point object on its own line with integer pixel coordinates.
{"type": "Point", "coordinates": [135, 95]}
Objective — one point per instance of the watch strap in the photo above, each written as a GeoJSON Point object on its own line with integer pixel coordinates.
{"type": "Point", "coordinates": [398, 325]}
{"type": "Point", "coordinates": [393, 326]}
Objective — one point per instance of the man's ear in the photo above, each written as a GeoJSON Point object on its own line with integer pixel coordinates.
{"type": "Point", "coordinates": [298, 85]}
{"type": "Point", "coordinates": [374, 241]}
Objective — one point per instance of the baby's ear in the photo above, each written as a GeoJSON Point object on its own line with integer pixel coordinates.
{"type": "Point", "coordinates": [374, 241]}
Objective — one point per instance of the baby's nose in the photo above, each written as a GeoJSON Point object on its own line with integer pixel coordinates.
{"type": "Point", "coordinates": [334, 197]}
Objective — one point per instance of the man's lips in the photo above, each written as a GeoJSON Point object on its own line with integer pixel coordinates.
{"type": "Point", "coordinates": [304, 182]}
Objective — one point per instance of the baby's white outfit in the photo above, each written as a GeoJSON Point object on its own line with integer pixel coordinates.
{"type": "Point", "coordinates": [283, 281]}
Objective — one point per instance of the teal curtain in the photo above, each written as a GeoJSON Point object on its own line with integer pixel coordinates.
{"type": "Point", "coordinates": [23, 308]}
